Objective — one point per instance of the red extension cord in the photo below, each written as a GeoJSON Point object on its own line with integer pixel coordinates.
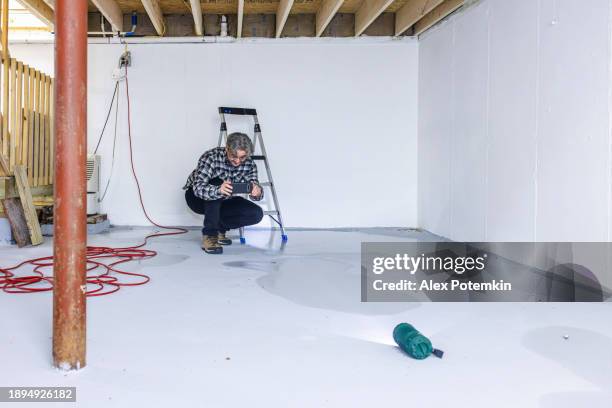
{"type": "Point", "coordinates": [98, 272]}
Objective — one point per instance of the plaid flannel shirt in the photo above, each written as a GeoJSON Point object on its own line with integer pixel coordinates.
{"type": "Point", "coordinates": [214, 164]}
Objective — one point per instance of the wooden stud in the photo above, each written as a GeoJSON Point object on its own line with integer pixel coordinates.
{"type": "Point", "coordinates": [40, 9]}
{"type": "Point", "coordinates": [19, 114]}
{"type": "Point", "coordinates": [282, 12]}
{"type": "Point", "coordinates": [4, 164]}
{"type": "Point", "coordinates": [24, 116]}
{"type": "Point", "coordinates": [30, 130]}
{"type": "Point", "coordinates": [326, 13]}
{"type": "Point", "coordinates": [52, 132]}
{"type": "Point", "coordinates": [28, 206]}
{"type": "Point", "coordinates": [111, 11]}
{"type": "Point", "coordinates": [41, 131]}
{"type": "Point", "coordinates": [368, 12]}
{"type": "Point", "coordinates": [411, 12]}
{"type": "Point", "coordinates": [196, 10]}
{"type": "Point", "coordinates": [240, 18]}
{"type": "Point", "coordinates": [5, 106]}
{"type": "Point", "coordinates": [5, 75]}
{"type": "Point", "coordinates": [35, 123]}
{"type": "Point", "coordinates": [436, 15]}
{"type": "Point", "coordinates": [155, 15]}
{"type": "Point", "coordinates": [13, 209]}
{"type": "Point", "coordinates": [47, 157]}
{"type": "Point", "coordinates": [43, 125]}
{"type": "Point", "coordinates": [11, 119]}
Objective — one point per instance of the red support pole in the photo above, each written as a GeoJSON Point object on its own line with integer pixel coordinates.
{"type": "Point", "coordinates": [70, 208]}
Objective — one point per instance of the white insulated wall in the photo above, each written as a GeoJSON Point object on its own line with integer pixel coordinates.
{"type": "Point", "coordinates": [514, 122]}
{"type": "Point", "coordinates": [339, 120]}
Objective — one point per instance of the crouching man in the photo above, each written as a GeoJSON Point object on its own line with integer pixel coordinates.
{"type": "Point", "coordinates": [209, 191]}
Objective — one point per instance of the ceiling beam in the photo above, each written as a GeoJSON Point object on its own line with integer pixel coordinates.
{"type": "Point", "coordinates": [326, 12]}
{"type": "Point", "coordinates": [412, 12]}
{"type": "Point", "coordinates": [282, 12]}
{"type": "Point", "coordinates": [240, 17]}
{"type": "Point", "coordinates": [40, 9]}
{"type": "Point", "coordinates": [196, 10]}
{"type": "Point", "coordinates": [111, 11]}
{"type": "Point", "coordinates": [436, 15]}
{"type": "Point", "coordinates": [155, 14]}
{"type": "Point", "coordinates": [368, 12]}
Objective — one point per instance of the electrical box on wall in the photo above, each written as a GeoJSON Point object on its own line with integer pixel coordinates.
{"type": "Point", "coordinates": [93, 183]}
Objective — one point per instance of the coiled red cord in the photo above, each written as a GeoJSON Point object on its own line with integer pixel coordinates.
{"type": "Point", "coordinates": [104, 282]}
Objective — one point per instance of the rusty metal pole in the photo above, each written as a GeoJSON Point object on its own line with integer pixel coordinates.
{"type": "Point", "coordinates": [70, 234]}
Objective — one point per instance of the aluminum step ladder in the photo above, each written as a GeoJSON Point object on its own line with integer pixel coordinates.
{"type": "Point", "coordinates": [261, 157]}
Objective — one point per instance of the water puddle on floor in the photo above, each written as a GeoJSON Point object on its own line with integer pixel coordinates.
{"type": "Point", "coordinates": [330, 281]}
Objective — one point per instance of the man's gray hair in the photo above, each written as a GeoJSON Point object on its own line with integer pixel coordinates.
{"type": "Point", "coordinates": [239, 141]}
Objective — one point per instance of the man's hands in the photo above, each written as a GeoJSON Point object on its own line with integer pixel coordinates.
{"type": "Point", "coordinates": [226, 188]}
{"type": "Point", "coordinates": [256, 191]}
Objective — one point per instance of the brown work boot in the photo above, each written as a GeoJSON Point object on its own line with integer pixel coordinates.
{"type": "Point", "coordinates": [210, 245]}
{"type": "Point", "coordinates": [223, 240]}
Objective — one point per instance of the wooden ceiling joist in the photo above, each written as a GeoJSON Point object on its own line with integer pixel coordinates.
{"type": "Point", "coordinates": [326, 12]}
{"type": "Point", "coordinates": [196, 10]}
{"type": "Point", "coordinates": [40, 9]}
{"type": "Point", "coordinates": [155, 14]}
{"type": "Point", "coordinates": [413, 11]}
{"type": "Point", "coordinates": [240, 18]}
{"type": "Point", "coordinates": [111, 11]}
{"type": "Point", "coordinates": [436, 15]}
{"type": "Point", "coordinates": [368, 12]}
{"type": "Point", "coordinates": [284, 7]}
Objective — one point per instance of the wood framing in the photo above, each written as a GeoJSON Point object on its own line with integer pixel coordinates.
{"type": "Point", "coordinates": [111, 11]}
{"type": "Point", "coordinates": [31, 122]}
{"type": "Point", "coordinates": [40, 9]}
{"type": "Point", "coordinates": [52, 132]}
{"type": "Point", "coordinates": [13, 210]}
{"type": "Point", "coordinates": [284, 7]}
{"type": "Point", "coordinates": [368, 12]}
{"type": "Point", "coordinates": [5, 78]}
{"type": "Point", "coordinates": [19, 113]}
{"type": "Point", "coordinates": [35, 127]}
{"type": "Point", "coordinates": [4, 166]}
{"type": "Point", "coordinates": [28, 206]}
{"type": "Point", "coordinates": [41, 132]}
{"type": "Point", "coordinates": [46, 136]}
{"type": "Point", "coordinates": [436, 15]}
{"type": "Point", "coordinates": [25, 148]}
{"type": "Point", "coordinates": [47, 132]}
{"type": "Point", "coordinates": [240, 17]}
{"type": "Point", "coordinates": [196, 10]}
{"type": "Point", "coordinates": [11, 117]}
{"type": "Point", "coordinates": [413, 11]}
{"type": "Point", "coordinates": [155, 14]}
{"type": "Point", "coordinates": [326, 12]}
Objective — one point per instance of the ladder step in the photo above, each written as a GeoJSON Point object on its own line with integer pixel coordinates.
{"type": "Point", "coordinates": [237, 111]}
{"type": "Point", "coordinates": [258, 157]}
{"type": "Point", "coordinates": [271, 212]}
{"type": "Point", "coordinates": [266, 184]}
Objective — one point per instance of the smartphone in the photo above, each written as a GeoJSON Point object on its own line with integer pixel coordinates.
{"type": "Point", "coordinates": [241, 188]}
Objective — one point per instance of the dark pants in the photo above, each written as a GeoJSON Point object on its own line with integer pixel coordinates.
{"type": "Point", "coordinates": [223, 215]}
